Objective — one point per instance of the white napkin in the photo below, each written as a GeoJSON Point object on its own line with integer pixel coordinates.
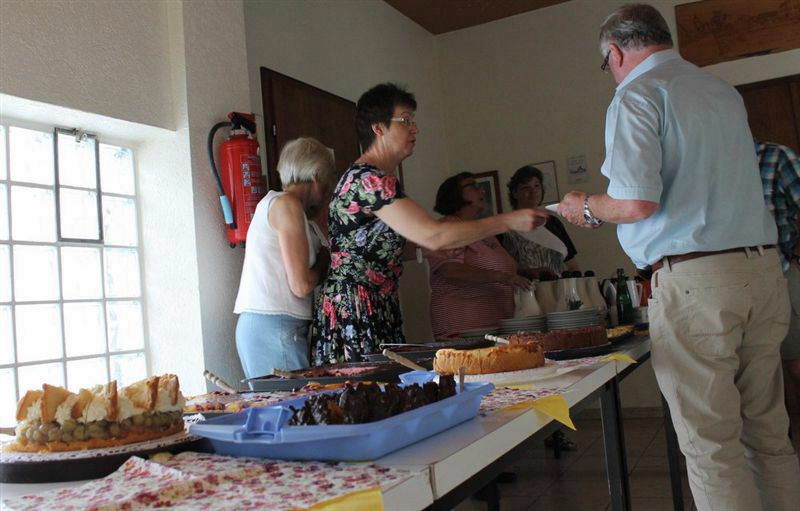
{"type": "Point", "coordinates": [541, 236]}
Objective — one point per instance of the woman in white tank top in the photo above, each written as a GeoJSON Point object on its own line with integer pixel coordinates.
{"type": "Point", "coordinates": [283, 263]}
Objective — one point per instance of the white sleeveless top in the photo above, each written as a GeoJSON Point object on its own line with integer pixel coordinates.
{"type": "Point", "coordinates": [264, 287]}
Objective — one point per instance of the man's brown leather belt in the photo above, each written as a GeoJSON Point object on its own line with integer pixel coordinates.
{"type": "Point", "coordinates": [694, 255]}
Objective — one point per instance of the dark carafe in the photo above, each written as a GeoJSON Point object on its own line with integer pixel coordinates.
{"type": "Point", "coordinates": [624, 304]}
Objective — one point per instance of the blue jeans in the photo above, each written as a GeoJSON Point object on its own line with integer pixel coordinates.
{"type": "Point", "coordinates": [271, 341]}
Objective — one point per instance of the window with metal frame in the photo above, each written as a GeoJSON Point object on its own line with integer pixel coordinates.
{"type": "Point", "coordinates": [71, 302]}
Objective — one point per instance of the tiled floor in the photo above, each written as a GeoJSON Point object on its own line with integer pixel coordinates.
{"type": "Point", "coordinates": [577, 481]}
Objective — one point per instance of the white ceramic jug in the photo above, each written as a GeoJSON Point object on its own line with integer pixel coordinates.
{"type": "Point", "coordinates": [525, 303]}
{"type": "Point", "coordinates": [550, 296]}
{"type": "Point", "coordinates": [635, 289]}
{"type": "Point", "coordinates": [591, 291]}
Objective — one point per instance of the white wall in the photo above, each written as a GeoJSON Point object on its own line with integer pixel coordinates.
{"type": "Point", "coordinates": [529, 88]}
{"type": "Point", "coordinates": [108, 58]}
{"type": "Point", "coordinates": [345, 47]}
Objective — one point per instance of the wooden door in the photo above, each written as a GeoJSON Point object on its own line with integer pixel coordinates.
{"type": "Point", "coordinates": [295, 109]}
{"type": "Point", "coordinates": [773, 110]}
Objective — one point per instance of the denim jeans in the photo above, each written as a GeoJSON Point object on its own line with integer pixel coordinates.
{"type": "Point", "coordinates": [271, 341]}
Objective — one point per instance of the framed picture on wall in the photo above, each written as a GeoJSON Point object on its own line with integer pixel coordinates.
{"type": "Point", "coordinates": [490, 184]}
{"type": "Point", "coordinates": [550, 184]}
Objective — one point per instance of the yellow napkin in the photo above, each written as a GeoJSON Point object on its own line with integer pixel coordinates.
{"type": "Point", "coordinates": [618, 356]}
{"type": "Point", "coordinates": [554, 406]}
{"type": "Point", "coordinates": [369, 499]}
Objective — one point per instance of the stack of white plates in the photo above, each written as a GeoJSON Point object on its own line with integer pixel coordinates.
{"type": "Point", "coordinates": [477, 332]}
{"type": "Point", "coordinates": [529, 324]}
{"type": "Point", "coordinates": [573, 319]}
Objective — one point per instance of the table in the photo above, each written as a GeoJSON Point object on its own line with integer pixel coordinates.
{"type": "Point", "coordinates": [450, 466]}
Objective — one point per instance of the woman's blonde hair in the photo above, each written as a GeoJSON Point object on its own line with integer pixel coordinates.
{"type": "Point", "coordinates": [304, 160]}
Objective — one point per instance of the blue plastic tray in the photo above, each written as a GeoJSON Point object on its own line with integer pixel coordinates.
{"type": "Point", "coordinates": [262, 431]}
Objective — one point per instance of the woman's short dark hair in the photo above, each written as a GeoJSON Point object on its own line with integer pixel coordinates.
{"type": "Point", "coordinates": [377, 105]}
{"type": "Point", "coordinates": [520, 177]}
{"type": "Point", "coordinates": [449, 197]}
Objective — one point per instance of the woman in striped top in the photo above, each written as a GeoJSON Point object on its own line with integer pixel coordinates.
{"type": "Point", "coordinates": [473, 286]}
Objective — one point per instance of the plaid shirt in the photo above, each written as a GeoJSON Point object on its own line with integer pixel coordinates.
{"type": "Point", "coordinates": [780, 177]}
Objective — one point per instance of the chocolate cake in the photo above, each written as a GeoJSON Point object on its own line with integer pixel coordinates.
{"type": "Point", "coordinates": [566, 339]}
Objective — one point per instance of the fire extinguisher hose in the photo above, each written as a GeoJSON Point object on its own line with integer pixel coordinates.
{"type": "Point", "coordinates": [223, 199]}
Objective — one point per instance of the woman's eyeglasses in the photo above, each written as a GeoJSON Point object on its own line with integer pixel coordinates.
{"type": "Point", "coordinates": [408, 122]}
{"type": "Point", "coordinates": [604, 65]}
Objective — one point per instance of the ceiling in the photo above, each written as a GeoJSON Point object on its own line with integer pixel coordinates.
{"type": "Point", "coordinates": [440, 16]}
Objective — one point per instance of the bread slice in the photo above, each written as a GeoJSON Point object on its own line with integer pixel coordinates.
{"type": "Point", "coordinates": [168, 383]}
{"type": "Point", "coordinates": [144, 393]}
{"type": "Point", "coordinates": [52, 397]}
{"type": "Point", "coordinates": [27, 400]}
{"type": "Point", "coordinates": [84, 398]}
{"type": "Point", "coordinates": [112, 403]}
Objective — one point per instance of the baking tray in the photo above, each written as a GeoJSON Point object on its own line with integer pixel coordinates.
{"type": "Point", "coordinates": [422, 351]}
{"type": "Point", "coordinates": [263, 432]}
{"type": "Point", "coordinates": [91, 463]}
{"type": "Point", "coordinates": [384, 372]}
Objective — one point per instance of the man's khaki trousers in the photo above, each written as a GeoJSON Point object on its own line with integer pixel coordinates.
{"type": "Point", "coordinates": [716, 325]}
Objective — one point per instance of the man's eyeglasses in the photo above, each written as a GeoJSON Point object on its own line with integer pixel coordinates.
{"type": "Point", "coordinates": [405, 121]}
{"type": "Point", "coordinates": [604, 65]}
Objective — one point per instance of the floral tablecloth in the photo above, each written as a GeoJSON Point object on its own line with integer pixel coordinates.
{"type": "Point", "coordinates": [195, 481]}
{"type": "Point", "coordinates": [505, 397]}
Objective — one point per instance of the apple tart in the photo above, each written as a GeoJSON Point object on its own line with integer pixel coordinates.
{"type": "Point", "coordinates": [55, 419]}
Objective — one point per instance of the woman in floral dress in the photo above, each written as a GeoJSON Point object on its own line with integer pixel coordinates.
{"type": "Point", "coordinates": [369, 220]}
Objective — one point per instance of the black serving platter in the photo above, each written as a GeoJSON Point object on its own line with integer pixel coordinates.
{"type": "Point", "coordinates": [426, 350]}
{"type": "Point", "coordinates": [53, 468]}
{"type": "Point", "coordinates": [384, 372]}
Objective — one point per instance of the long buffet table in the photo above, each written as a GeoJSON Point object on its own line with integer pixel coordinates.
{"type": "Point", "coordinates": [442, 470]}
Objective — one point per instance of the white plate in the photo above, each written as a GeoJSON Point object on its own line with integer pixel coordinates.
{"type": "Point", "coordinates": [552, 207]}
{"type": "Point", "coordinates": [549, 370]}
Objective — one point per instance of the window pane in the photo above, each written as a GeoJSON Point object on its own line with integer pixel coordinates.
{"type": "Point", "coordinates": [85, 374]}
{"type": "Point", "coordinates": [122, 272]}
{"type": "Point", "coordinates": [5, 273]}
{"type": "Point", "coordinates": [3, 212]}
{"type": "Point", "coordinates": [3, 173]}
{"type": "Point", "coordinates": [84, 329]}
{"type": "Point", "coordinates": [6, 335]}
{"type": "Point", "coordinates": [39, 332]}
{"type": "Point", "coordinates": [116, 169]}
{"type": "Point", "coordinates": [119, 221]}
{"type": "Point", "coordinates": [33, 212]}
{"type": "Point", "coordinates": [33, 377]}
{"type": "Point", "coordinates": [35, 273]}
{"type": "Point", "coordinates": [82, 276]}
{"type": "Point", "coordinates": [31, 156]}
{"type": "Point", "coordinates": [8, 398]}
{"type": "Point", "coordinates": [76, 162]}
{"type": "Point", "coordinates": [79, 214]}
{"type": "Point", "coordinates": [127, 369]}
{"type": "Point", "coordinates": [124, 326]}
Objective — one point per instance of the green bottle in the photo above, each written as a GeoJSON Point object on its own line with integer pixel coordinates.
{"type": "Point", "coordinates": [624, 304]}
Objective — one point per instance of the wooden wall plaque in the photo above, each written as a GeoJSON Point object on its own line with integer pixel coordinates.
{"type": "Point", "coordinates": [713, 31]}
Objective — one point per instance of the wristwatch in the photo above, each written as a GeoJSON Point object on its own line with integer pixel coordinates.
{"type": "Point", "coordinates": [588, 216]}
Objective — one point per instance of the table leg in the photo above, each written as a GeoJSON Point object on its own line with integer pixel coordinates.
{"type": "Point", "coordinates": [614, 442]}
{"type": "Point", "coordinates": [673, 456]}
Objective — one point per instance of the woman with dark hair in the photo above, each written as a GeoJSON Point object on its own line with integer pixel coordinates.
{"type": "Point", "coordinates": [472, 286]}
{"type": "Point", "coordinates": [552, 254]}
{"type": "Point", "coordinates": [369, 221]}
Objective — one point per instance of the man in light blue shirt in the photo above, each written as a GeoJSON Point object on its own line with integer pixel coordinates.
{"type": "Point", "coordinates": [684, 188]}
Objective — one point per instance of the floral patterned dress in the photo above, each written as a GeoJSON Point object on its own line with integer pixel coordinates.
{"type": "Point", "coordinates": [359, 306]}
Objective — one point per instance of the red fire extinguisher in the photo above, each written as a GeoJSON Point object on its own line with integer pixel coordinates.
{"type": "Point", "coordinates": [241, 186]}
